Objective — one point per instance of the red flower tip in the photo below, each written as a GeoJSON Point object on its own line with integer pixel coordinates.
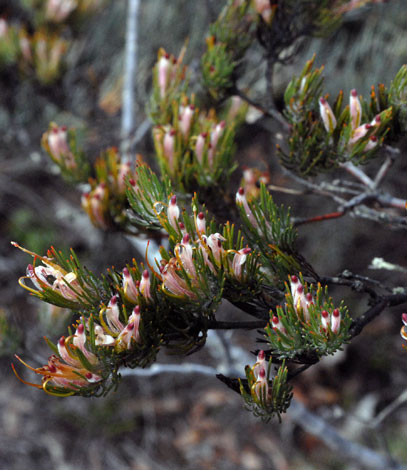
{"type": "Point", "coordinates": [368, 126]}
{"type": "Point", "coordinates": [204, 135]}
{"type": "Point", "coordinates": [88, 375]}
{"type": "Point", "coordinates": [64, 128]}
{"type": "Point", "coordinates": [126, 272]}
{"type": "Point", "coordinates": [145, 274]}
{"type": "Point", "coordinates": [294, 279]}
{"type": "Point", "coordinates": [322, 100]}
{"type": "Point", "coordinates": [354, 93]}
{"type": "Point", "coordinates": [166, 55]}
{"type": "Point", "coordinates": [172, 132]}
{"type": "Point", "coordinates": [309, 297]}
{"type": "Point", "coordinates": [132, 182]}
{"type": "Point", "coordinates": [262, 373]}
{"type": "Point", "coordinates": [61, 341]}
{"type": "Point", "coordinates": [275, 320]}
{"type": "Point", "coordinates": [246, 250]}
{"type": "Point", "coordinates": [173, 199]}
{"type": "Point", "coordinates": [113, 300]}
{"type": "Point", "coordinates": [181, 226]}
{"type": "Point", "coordinates": [378, 118]}
{"type": "Point", "coordinates": [324, 313]}
{"type": "Point", "coordinates": [130, 326]}
{"type": "Point", "coordinates": [336, 312]}
{"type": "Point", "coordinates": [241, 191]}
{"type": "Point", "coordinates": [404, 318]}
{"type": "Point", "coordinates": [136, 310]}
{"type": "Point", "coordinates": [52, 368]}
{"type": "Point", "coordinates": [80, 328]}
{"type": "Point", "coordinates": [192, 107]}
{"type": "Point", "coordinates": [300, 289]}
{"type": "Point", "coordinates": [185, 238]}
{"type": "Point", "coordinates": [373, 138]}
{"type": "Point", "coordinates": [261, 355]}
{"type": "Point", "coordinates": [201, 216]}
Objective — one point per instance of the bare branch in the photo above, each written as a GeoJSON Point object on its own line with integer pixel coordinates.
{"type": "Point", "coordinates": [130, 62]}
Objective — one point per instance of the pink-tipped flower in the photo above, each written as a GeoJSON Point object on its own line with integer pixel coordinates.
{"type": "Point", "coordinates": [260, 364]}
{"type": "Point", "coordinates": [48, 276]}
{"type": "Point", "coordinates": [358, 133]}
{"type": "Point", "coordinates": [145, 285]}
{"type": "Point", "coordinates": [355, 109]}
{"type": "Point", "coordinates": [214, 242]}
{"type": "Point", "coordinates": [173, 283]}
{"type": "Point", "coordinates": [130, 289]}
{"type": "Point", "coordinates": [200, 146]}
{"type": "Point", "coordinates": [260, 388]}
{"type": "Point", "coordinates": [216, 134]}
{"type": "Point", "coordinates": [186, 116]}
{"type": "Point", "coordinates": [68, 357]}
{"type": "Point", "coordinates": [130, 333]}
{"type": "Point", "coordinates": [112, 314]}
{"type": "Point", "coordinates": [173, 212]}
{"type": "Point", "coordinates": [57, 139]}
{"type": "Point", "coordinates": [325, 320]}
{"type": "Point", "coordinates": [335, 321]}
{"type": "Point", "coordinates": [200, 223]}
{"type": "Point", "coordinates": [123, 173]}
{"type": "Point", "coordinates": [238, 261]}
{"type": "Point", "coordinates": [376, 121]}
{"type": "Point", "coordinates": [184, 254]}
{"type": "Point", "coordinates": [169, 148]}
{"type": "Point", "coordinates": [242, 201]}
{"type": "Point", "coordinates": [301, 301]}
{"type": "Point", "coordinates": [79, 341]}
{"type": "Point", "coordinates": [164, 67]}
{"type": "Point", "coordinates": [373, 141]}
{"type": "Point", "coordinates": [327, 115]}
{"type": "Point", "coordinates": [277, 325]}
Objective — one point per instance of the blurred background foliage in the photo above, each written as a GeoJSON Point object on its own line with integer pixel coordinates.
{"type": "Point", "coordinates": [189, 422]}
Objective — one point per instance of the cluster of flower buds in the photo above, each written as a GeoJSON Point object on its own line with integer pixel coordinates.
{"type": "Point", "coordinates": [48, 52]}
{"type": "Point", "coordinates": [96, 205]}
{"type": "Point", "coordinates": [403, 331]}
{"type": "Point", "coordinates": [309, 322]}
{"type": "Point", "coordinates": [302, 303]}
{"type": "Point", "coordinates": [134, 289]}
{"type": "Point", "coordinates": [55, 141]}
{"type": "Point", "coordinates": [108, 188]}
{"type": "Point", "coordinates": [260, 388]}
{"type": "Point", "coordinates": [168, 83]}
{"type": "Point", "coordinates": [52, 278]}
{"type": "Point", "coordinates": [75, 370]}
{"type": "Point", "coordinates": [264, 396]}
{"type": "Point", "coordinates": [358, 130]}
{"type": "Point", "coordinates": [112, 332]}
{"type": "Point", "coordinates": [210, 248]}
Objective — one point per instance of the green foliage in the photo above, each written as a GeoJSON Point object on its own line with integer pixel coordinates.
{"type": "Point", "coordinates": [398, 96]}
{"type": "Point", "coordinates": [270, 232]}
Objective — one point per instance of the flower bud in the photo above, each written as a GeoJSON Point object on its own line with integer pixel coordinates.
{"type": "Point", "coordinates": [241, 200]}
{"type": "Point", "coordinates": [145, 285]}
{"type": "Point", "coordinates": [173, 212]}
{"type": "Point", "coordinates": [238, 261]}
{"type": "Point", "coordinates": [327, 115]}
{"type": "Point", "coordinates": [335, 321]}
{"type": "Point", "coordinates": [200, 223]}
{"type": "Point", "coordinates": [355, 109]}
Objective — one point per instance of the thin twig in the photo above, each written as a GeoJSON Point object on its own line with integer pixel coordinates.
{"type": "Point", "coordinates": [358, 174]}
{"type": "Point", "coordinates": [130, 63]}
{"type": "Point", "coordinates": [402, 398]}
